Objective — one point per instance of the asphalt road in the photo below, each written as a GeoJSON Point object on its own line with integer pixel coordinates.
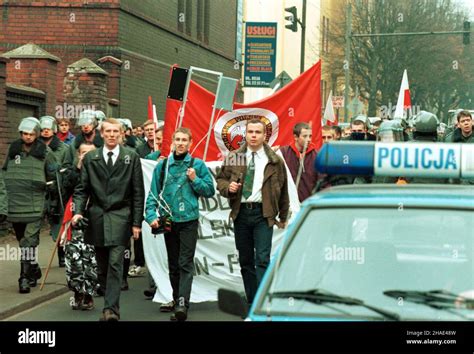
{"type": "Point", "coordinates": [134, 307]}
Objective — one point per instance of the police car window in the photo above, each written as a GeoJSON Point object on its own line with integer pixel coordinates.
{"type": "Point", "coordinates": [362, 252]}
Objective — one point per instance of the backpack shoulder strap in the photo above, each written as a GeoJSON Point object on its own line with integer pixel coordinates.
{"type": "Point", "coordinates": [162, 175]}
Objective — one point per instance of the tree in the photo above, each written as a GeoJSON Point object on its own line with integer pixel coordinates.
{"type": "Point", "coordinates": [440, 68]}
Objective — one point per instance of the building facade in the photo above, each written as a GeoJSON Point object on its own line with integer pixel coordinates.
{"type": "Point", "coordinates": [110, 54]}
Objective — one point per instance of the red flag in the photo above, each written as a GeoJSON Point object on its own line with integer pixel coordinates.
{"type": "Point", "coordinates": [299, 101]}
{"type": "Point", "coordinates": [67, 219]}
{"type": "Point", "coordinates": [150, 108]}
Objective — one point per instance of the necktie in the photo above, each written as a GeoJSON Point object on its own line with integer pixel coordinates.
{"type": "Point", "coordinates": [248, 182]}
{"type": "Point", "coordinates": [110, 162]}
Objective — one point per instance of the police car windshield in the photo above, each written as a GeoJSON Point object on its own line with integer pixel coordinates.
{"type": "Point", "coordinates": [362, 252]}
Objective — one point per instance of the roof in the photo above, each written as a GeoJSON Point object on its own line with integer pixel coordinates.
{"type": "Point", "coordinates": [25, 89]}
{"type": "Point", "coordinates": [30, 51]}
{"type": "Point", "coordinates": [439, 196]}
{"type": "Point", "coordinates": [86, 65]}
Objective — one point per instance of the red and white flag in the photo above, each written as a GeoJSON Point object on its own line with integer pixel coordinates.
{"type": "Point", "coordinates": [404, 101]}
{"type": "Point", "coordinates": [299, 101]}
{"type": "Point", "coordinates": [329, 116]}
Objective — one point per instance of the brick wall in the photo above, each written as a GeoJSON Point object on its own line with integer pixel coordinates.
{"type": "Point", "coordinates": [69, 29]}
{"type": "Point", "coordinates": [4, 128]}
{"type": "Point", "coordinates": [37, 73]}
{"type": "Point", "coordinates": [148, 33]}
{"type": "Point", "coordinates": [84, 89]}
{"type": "Point", "coordinates": [142, 32]}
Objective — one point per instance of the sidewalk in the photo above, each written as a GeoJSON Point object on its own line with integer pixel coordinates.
{"type": "Point", "coordinates": [11, 301]}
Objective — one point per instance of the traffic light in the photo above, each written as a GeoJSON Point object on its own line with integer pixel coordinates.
{"type": "Point", "coordinates": [293, 18]}
{"type": "Point", "coordinates": [466, 37]}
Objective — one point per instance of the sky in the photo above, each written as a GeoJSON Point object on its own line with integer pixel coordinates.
{"type": "Point", "coordinates": [470, 5]}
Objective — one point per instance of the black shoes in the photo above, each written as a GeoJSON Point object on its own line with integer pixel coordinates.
{"type": "Point", "coordinates": [87, 303]}
{"type": "Point", "coordinates": [149, 293]}
{"type": "Point", "coordinates": [100, 291]}
{"type": "Point", "coordinates": [78, 300]}
{"type": "Point", "coordinates": [181, 313]}
{"type": "Point", "coordinates": [124, 285]}
{"type": "Point", "coordinates": [34, 274]}
{"type": "Point", "coordinates": [24, 281]}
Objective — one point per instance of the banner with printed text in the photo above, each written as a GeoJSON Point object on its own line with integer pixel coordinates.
{"type": "Point", "coordinates": [216, 258]}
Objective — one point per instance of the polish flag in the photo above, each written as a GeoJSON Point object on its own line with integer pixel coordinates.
{"type": "Point", "coordinates": [329, 117]}
{"type": "Point", "coordinates": [404, 101]}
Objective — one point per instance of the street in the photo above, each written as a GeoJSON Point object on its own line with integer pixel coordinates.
{"type": "Point", "coordinates": [134, 307]}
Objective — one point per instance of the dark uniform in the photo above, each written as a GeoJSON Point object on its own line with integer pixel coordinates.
{"type": "Point", "coordinates": [426, 130]}
{"type": "Point", "coordinates": [54, 208]}
{"type": "Point", "coordinates": [26, 172]}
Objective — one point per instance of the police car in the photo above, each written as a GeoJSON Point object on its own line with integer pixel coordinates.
{"type": "Point", "coordinates": [381, 252]}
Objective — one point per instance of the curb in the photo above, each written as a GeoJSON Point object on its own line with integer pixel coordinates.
{"type": "Point", "coordinates": [33, 302]}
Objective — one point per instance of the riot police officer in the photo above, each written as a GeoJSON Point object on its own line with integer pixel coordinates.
{"type": "Point", "coordinates": [29, 166]}
{"type": "Point", "coordinates": [426, 130]}
{"type": "Point", "coordinates": [390, 131]}
{"type": "Point", "coordinates": [54, 206]}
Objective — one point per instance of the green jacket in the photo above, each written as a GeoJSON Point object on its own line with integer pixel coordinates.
{"type": "Point", "coordinates": [3, 196]}
{"type": "Point", "coordinates": [143, 150]}
{"type": "Point", "coordinates": [59, 149]}
{"type": "Point", "coordinates": [26, 175]}
{"type": "Point", "coordinates": [155, 155]}
{"type": "Point", "coordinates": [179, 192]}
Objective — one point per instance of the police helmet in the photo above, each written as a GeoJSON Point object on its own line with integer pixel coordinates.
{"type": "Point", "coordinates": [126, 123]}
{"type": "Point", "coordinates": [87, 117]}
{"type": "Point", "coordinates": [426, 122]}
{"type": "Point", "coordinates": [48, 122]}
{"type": "Point", "coordinates": [29, 125]}
{"type": "Point", "coordinates": [100, 116]}
{"type": "Point", "coordinates": [390, 131]}
{"type": "Point", "coordinates": [361, 118]}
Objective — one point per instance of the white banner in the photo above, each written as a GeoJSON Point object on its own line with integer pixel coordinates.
{"type": "Point", "coordinates": [216, 260]}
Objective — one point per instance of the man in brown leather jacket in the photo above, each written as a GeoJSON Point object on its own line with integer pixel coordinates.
{"type": "Point", "coordinates": [255, 181]}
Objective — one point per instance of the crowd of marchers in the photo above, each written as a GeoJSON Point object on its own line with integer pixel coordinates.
{"type": "Point", "coordinates": [90, 189]}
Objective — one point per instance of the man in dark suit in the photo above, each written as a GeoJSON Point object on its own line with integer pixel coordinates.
{"type": "Point", "coordinates": [111, 195]}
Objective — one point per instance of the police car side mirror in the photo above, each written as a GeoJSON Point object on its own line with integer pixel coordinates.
{"type": "Point", "coordinates": [232, 302]}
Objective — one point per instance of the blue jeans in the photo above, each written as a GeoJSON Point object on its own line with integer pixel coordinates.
{"type": "Point", "coordinates": [253, 239]}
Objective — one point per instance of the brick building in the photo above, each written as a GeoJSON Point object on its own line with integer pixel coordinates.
{"type": "Point", "coordinates": [111, 54]}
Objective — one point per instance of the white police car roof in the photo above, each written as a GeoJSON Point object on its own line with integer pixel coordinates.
{"type": "Point", "coordinates": [439, 196]}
